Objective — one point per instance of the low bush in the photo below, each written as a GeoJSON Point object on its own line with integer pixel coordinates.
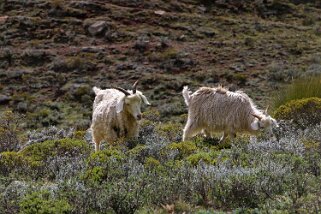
{"type": "Point", "coordinates": [303, 112]}
{"type": "Point", "coordinates": [185, 148]}
{"type": "Point", "coordinates": [52, 148]}
{"type": "Point", "coordinates": [9, 131]}
{"type": "Point", "coordinates": [13, 162]}
{"type": "Point", "coordinates": [52, 159]}
{"type": "Point", "coordinates": [206, 157]}
{"type": "Point", "coordinates": [299, 89]}
{"type": "Point", "coordinates": [102, 166]}
{"type": "Point", "coordinates": [159, 175]}
{"type": "Point", "coordinates": [43, 202]}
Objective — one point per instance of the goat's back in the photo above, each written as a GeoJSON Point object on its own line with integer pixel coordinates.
{"type": "Point", "coordinates": [107, 98]}
{"type": "Point", "coordinates": [219, 108]}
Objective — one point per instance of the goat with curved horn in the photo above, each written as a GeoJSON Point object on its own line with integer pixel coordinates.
{"type": "Point", "coordinates": [116, 116]}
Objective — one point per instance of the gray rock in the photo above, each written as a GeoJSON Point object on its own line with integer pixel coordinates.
{"type": "Point", "coordinates": [97, 28]}
{"type": "Point", "coordinates": [208, 32]}
{"type": "Point", "coordinates": [15, 74]}
{"type": "Point", "coordinates": [313, 70]}
{"type": "Point", "coordinates": [22, 107]}
{"type": "Point", "coordinates": [142, 43]}
{"type": "Point", "coordinates": [92, 49]}
{"type": "Point", "coordinates": [4, 99]}
{"type": "Point", "coordinates": [238, 67]}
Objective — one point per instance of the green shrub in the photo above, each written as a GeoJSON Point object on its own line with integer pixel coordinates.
{"type": "Point", "coordinates": [184, 148]}
{"type": "Point", "coordinates": [302, 112]}
{"type": "Point", "coordinates": [151, 163]}
{"type": "Point", "coordinates": [169, 130]}
{"type": "Point", "coordinates": [151, 115]}
{"type": "Point", "coordinates": [207, 157]}
{"type": "Point", "coordinates": [103, 165]}
{"type": "Point", "coordinates": [33, 160]}
{"type": "Point", "coordinates": [182, 207]}
{"type": "Point", "coordinates": [79, 134]}
{"type": "Point", "coordinates": [241, 78]}
{"type": "Point", "coordinates": [138, 152]}
{"type": "Point", "coordinates": [311, 144]}
{"type": "Point", "coordinates": [9, 129]}
{"type": "Point", "coordinates": [51, 148]}
{"type": "Point", "coordinates": [43, 203]}
{"type": "Point", "coordinates": [44, 116]}
{"type": "Point", "coordinates": [15, 162]}
{"type": "Point", "coordinates": [299, 89]}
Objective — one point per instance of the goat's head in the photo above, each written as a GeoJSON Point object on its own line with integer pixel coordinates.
{"type": "Point", "coordinates": [131, 101]}
{"type": "Point", "coordinates": [263, 121]}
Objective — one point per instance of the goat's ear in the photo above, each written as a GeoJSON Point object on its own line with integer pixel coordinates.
{"type": "Point", "coordinates": [120, 105]}
{"type": "Point", "coordinates": [96, 90]}
{"type": "Point", "coordinates": [145, 100]}
{"type": "Point", "coordinates": [255, 125]}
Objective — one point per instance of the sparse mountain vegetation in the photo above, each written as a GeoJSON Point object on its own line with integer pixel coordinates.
{"type": "Point", "coordinates": [52, 52]}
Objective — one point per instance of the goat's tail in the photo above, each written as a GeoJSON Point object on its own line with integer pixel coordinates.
{"type": "Point", "coordinates": [96, 90]}
{"type": "Point", "coordinates": [186, 94]}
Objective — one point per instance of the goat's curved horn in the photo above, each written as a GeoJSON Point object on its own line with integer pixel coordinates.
{"type": "Point", "coordinates": [257, 116]}
{"type": "Point", "coordinates": [134, 87]}
{"type": "Point", "coordinates": [121, 90]}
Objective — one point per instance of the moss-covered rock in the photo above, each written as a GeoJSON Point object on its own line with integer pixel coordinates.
{"type": "Point", "coordinates": [303, 111]}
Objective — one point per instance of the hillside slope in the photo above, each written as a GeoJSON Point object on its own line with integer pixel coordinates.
{"type": "Point", "coordinates": [53, 52]}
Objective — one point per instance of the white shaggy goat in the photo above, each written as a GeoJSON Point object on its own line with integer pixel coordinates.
{"type": "Point", "coordinates": [219, 110]}
{"type": "Point", "coordinates": [116, 112]}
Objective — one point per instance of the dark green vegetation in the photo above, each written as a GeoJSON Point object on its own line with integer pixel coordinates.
{"type": "Point", "coordinates": [303, 112]}
{"type": "Point", "coordinates": [58, 172]}
{"type": "Point", "coordinates": [53, 52]}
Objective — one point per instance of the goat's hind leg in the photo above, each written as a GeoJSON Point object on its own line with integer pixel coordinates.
{"type": "Point", "coordinates": [97, 140]}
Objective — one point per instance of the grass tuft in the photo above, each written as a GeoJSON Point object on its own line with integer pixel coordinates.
{"type": "Point", "coordinates": [299, 89]}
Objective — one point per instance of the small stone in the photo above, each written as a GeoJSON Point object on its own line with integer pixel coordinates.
{"type": "Point", "coordinates": [4, 99]}
{"type": "Point", "coordinates": [97, 28]}
{"type": "Point", "coordinates": [16, 74]}
{"type": "Point", "coordinates": [22, 107]}
{"type": "Point", "coordinates": [159, 12]}
{"type": "Point", "coordinates": [202, 8]}
{"type": "Point", "coordinates": [181, 38]}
